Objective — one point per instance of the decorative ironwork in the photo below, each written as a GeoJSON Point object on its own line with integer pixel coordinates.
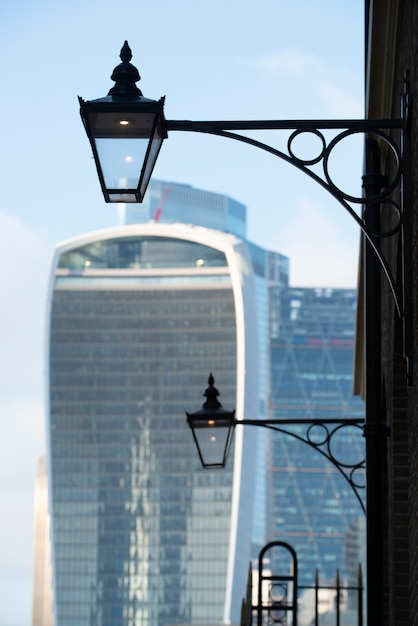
{"type": "Point", "coordinates": [319, 435]}
{"type": "Point", "coordinates": [324, 178]}
{"type": "Point", "coordinates": [391, 197]}
{"type": "Point", "coordinates": [213, 426]}
{"type": "Point", "coordinates": [279, 599]}
{"type": "Point", "coordinates": [277, 594]}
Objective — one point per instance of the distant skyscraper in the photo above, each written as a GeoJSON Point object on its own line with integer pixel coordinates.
{"type": "Point", "coordinates": [312, 506]}
{"type": "Point", "coordinates": [42, 588]}
{"type": "Point", "coordinates": [168, 203]}
{"type": "Point", "coordinates": [139, 316]}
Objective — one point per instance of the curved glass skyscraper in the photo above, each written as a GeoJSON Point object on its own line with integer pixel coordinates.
{"type": "Point", "coordinates": [141, 535]}
{"type": "Point", "coordinates": [138, 317]}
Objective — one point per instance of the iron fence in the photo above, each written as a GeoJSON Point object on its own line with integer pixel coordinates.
{"type": "Point", "coordinates": [276, 599]}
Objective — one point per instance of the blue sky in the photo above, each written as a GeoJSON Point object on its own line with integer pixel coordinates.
{"type": "Point", "coordinates": [269, 59]}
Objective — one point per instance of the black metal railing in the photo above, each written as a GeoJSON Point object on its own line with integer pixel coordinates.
{"type": "Point", "coordinates": [278, 600]}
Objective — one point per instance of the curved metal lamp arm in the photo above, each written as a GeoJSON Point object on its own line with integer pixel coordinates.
{"type": "Point", "coordinates": [391, 197]}
{"type": "Point", "coordinates": [329, 186]}
{"type": "Point", "coordinates": [321, 441]}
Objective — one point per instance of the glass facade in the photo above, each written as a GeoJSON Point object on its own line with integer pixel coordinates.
{"type": "Point", "coordinates": [142, 535]}
{"type": "Point", "coordinates": [139, 316]}
{"type": "Point", "coordinates": [312, 506]}
{"type": "Point", "coordinates": [271, 270]}
{"type": "Point", "coordinates": [167, 202]}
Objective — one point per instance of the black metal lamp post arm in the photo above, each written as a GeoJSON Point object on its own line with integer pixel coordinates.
{"type": "Point", "coordinates": [383, 198]}
{"type": "Point", "coordinates": [322, 444]}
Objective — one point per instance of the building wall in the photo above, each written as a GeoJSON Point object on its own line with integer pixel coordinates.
{"type": "Point", "coordinates": [405, 399]}
{"type": "Point", "coordinates": [392, 50]}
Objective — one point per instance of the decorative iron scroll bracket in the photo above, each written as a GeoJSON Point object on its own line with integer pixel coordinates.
{"type": "Point", "coordinates": [319, 435]}
{"type": "Point", "coordinates": [392, 199]}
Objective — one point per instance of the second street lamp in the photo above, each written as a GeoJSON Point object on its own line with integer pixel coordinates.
{"type": "Point", "coordinates": [213, 428]}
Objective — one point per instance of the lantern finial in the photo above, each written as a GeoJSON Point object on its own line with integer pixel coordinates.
{"type": "Point", "coordinates": [125, 53]}
{"type": "Point", "coordinates": [211, 394]}
{"type": "Point", "coordinates": [125, 75]}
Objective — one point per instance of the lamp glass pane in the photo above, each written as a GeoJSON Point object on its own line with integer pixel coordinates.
{"type": "Point", "coordinates": [212, 444]}
{"type": "Point", "coordinates": [122, 197]}
{"type": "Point", "coordinates": [121, 161]}
{"type": "Point", "coordinates": [152, 157]}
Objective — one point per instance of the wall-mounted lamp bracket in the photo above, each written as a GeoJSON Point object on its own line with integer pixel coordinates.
{"type": "Point", "coordinates": [391, 198]}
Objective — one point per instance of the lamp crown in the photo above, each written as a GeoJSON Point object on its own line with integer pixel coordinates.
{"type": "Point", "coordinates": [211, 394]}
{"type": "Point", "coordinates": [125, 75]}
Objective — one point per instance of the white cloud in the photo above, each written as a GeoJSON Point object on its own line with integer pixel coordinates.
{"type": "Point", "coordinates": [316, 78]}
{"type": "Point", "coordinates": [290, 62]}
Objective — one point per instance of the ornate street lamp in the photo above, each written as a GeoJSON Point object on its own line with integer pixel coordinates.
{"type": "Point", "coordinates": [126, 132]}
{"type": "Point", "coordinates": [212, 427]}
